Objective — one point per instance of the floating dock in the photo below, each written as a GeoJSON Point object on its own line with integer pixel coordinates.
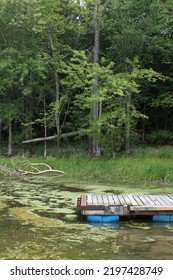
{"type": "Point", "coordinates": [110, 207]}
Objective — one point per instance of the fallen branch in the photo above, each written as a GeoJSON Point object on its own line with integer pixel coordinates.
{"type": "Point", "coordinates": [69, 134]}
{"type": "Point", "coordinates": [23, 172]}
{"type": "Point", "coordinates": [17, 171]}
{"type": "Point", "coordinates": [37, 172]}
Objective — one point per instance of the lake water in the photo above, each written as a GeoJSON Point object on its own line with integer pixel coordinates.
{"type": "Point", "coordinates": [38, 220]}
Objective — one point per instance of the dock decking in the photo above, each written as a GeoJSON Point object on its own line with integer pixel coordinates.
{"type": "Point", "coordinates": [125, 205]}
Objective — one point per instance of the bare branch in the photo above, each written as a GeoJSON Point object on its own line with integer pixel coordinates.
{"type": "Point", "coordinates": [69, 134]}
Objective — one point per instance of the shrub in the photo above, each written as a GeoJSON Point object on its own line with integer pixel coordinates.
{"type": "Point", "coordinates": [160, 137]}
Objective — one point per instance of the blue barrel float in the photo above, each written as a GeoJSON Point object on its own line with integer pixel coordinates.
{"type": "Point", "coordinates": [102, 218]}
{"type": "Point", "coordinates": [163, 218]}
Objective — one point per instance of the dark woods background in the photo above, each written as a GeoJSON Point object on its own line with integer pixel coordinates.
{"type": "Point", "coordinates": [96, 75]}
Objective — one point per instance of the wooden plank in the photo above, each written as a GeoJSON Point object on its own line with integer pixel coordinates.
{"type": "Point", "coordinates": [170, 196]}
{"type": "Point", "coordinates": [168, 199]}
{"type": "Point", "coordinates": [105, 200]}
{"type": "Point", "coordinates": [162, 200]}
{"type": "Point", "coordinates": [154, 200]}
{"type": "Point", "coordinates": [93, 212]}
{"type": "Point", "coordinates": [116, 200]}
{"type": "Point", "coordinates": [111, 200]}
{"type": "Point", "coordinates": [145, 200]}
{"type": "Point", "coordinates": [121, 199]}
{"type": "Point", "coordinates": [159, 200]}
{"type": "Point", "coordinates": [94, 199]}
{"type": "Point", "coordinates": [100, 200]}
{"type": "Point", "coordinates": [127, 199]}
{"type": "Point", "coordinates": [89, 199]}
{"type": "Point", "coordinates": [149, 199]}
{"type": "Point", "coordinates": [151, 208]}
{"type": "Point", "coordinates": [138, 200]}
{"type": "Point", "coordinates": [132, 199]}
{"type": "Point", "coordinates": [83, 200]}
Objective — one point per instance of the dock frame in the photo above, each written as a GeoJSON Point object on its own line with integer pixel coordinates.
{"type": "Point", "coordinates": [125, 205]}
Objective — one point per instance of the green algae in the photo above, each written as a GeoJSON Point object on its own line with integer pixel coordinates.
{"type": "Point", "coordinates": [169, 227]}
{"type": "Point", "coordinates": [44, 210]}
{"type": "Point", "coordinates": [3, 203]}
{"type": "Point", "coordinates": [27, 216]}
{"type": "Point", "coordinates": [141, 225]}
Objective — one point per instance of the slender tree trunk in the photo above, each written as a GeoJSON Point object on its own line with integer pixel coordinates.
{"type": "Point", "coordinates": [166, 121]}
{"type": "Point", "coordinates": [10, 138]}
{"type": "Point", "coordinates": [96, 107]}
{"type": "Point", "coordinates": [45, 129]}
{"type": "Point", "coordinates": [0, 137]}
{"type": "Point", "coordinates": [143, 131]}
{"type": "Point", "coordinates": [127, 127]}
{"type": "Point", "coordinates": [57, 110]}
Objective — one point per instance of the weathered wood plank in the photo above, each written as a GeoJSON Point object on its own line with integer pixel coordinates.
{"type": "Point", "coordinates": [121, 199]}
{"type": "Point", "coordinates": [127, 199]}
{"type": "Point", "coordinates": [154, 199]}
{"type": "Point", "coordinates": [162, 200]}
{"type": "Point", "coordinates": [150, 197]}
{"type": "Point", "coordinates": [89, 199]}
{"type": "Point", "coordinates": [111, 200]}
{"type": "Point", "coordinates": [83, 200]}
{"type": "Point", "coordinates": [150, 201]}
{"type": "Point", "coordinates": [94, 199]}
{"type": "Point", "coordinates": [137, 198]}
{"type": "Point", "coordinates": [116, 200]}
{"type": "Point", "coordinates": [105, 200]}
{"type": "Point", "coordinates": [145, 200]}
{"type": "Point", "coordinates": [132, 199]}
{"type": "Point", "coordinates": [100, 200]}
{"type": "Point", "coordinates": [151, 208]}
{"type": "Point", "coordinates": [170, 196]}
{"type": "Point", "coordinates": [93, 212]}
{"type": "Point", "coordinates": [168, 199]}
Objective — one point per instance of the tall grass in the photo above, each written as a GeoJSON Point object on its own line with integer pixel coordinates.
{"type": "Point", "coordinates": [149, 164]}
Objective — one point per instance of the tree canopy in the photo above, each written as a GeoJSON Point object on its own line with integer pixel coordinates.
{"type": "Point", "coordinates": [98, 71]}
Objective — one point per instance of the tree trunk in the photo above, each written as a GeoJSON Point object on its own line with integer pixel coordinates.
{"type": "Point", "coordinates": [127, 125]}
{"type": "Point", "coordinates": [57, 109]}
{"type": "Point", "coordinates": [10, 139]}
{"type": "Point", "coordinates": [0, 136]}
{"type": "Point", "coordinates": [45, 129]}
{"type": "Point", "coordinates": [96, 109]}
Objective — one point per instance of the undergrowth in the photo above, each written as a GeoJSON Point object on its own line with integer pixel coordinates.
{"type": "Point", "coordinates": [149, 164]}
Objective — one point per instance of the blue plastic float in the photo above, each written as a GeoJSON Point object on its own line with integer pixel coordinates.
{"type": "Point", "coordinates": [102, 218]}
{"type": "Point", "coordinates": [163, 218]}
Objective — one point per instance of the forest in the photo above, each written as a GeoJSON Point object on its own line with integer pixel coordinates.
{"type": "Point", "coordinates": [95, 75]}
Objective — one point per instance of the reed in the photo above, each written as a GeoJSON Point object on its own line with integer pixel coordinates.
{"type": "Point", "coordinates": [147, 164]}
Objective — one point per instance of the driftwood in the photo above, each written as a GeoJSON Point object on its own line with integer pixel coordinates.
{"type": "Point", "coordinates": [37, 171]}
{"type": "Point", "coordinates": [69, 134]}
{"type": "Point", "coordinates": [17, 171]}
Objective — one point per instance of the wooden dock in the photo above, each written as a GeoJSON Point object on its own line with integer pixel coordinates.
{"type": "Point", "coordinates": [125, 205]}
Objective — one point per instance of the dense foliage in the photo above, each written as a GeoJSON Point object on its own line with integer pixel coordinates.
{"type": "Point", "coordinates": [102, 69]}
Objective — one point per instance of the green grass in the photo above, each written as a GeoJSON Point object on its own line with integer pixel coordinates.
{"type": "Point", "coordinates": [147, 164]}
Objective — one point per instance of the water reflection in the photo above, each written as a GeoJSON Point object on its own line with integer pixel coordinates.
{"type": "Point", "coordinates": [108, 225]}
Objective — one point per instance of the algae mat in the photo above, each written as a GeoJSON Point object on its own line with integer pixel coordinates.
{"type": "Point", "coordinates": [38, 220]}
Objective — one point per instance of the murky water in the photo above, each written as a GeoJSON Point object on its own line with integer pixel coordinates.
{"type": "Point", "coordinates": [38, 220]}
